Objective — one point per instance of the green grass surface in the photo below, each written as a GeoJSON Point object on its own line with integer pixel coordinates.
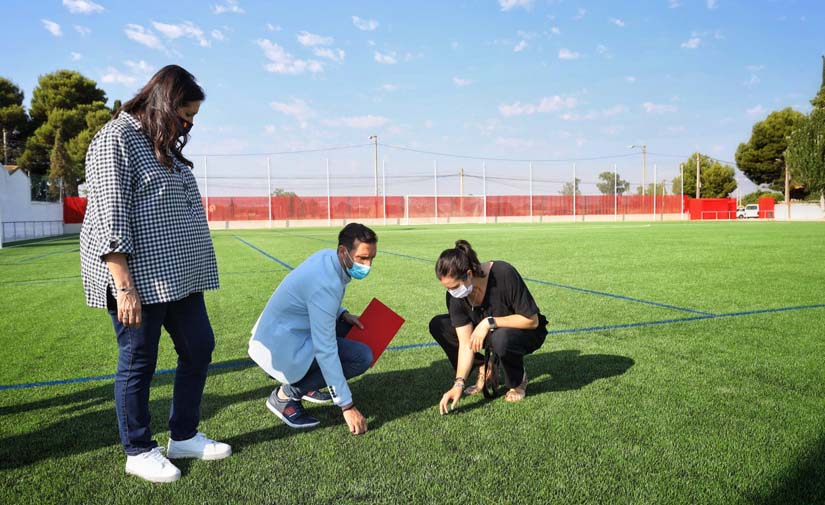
{"type": "Point", "coordinates": [710, 410]}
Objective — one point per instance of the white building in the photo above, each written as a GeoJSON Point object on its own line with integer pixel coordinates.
{"type": "Point", "coordinates": [20, 217]}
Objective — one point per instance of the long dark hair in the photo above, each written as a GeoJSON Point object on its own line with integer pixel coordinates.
{"type": "Point", "coordinates": [456, 261]}
{"type": "Point", "coordinates": [155, 106]}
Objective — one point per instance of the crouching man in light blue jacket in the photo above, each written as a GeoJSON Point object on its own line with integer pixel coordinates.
{"type": "Point", "coordinates": [298, 338]}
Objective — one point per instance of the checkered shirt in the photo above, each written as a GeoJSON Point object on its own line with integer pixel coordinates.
{"type": "Point", "coordinates": [140, 208]}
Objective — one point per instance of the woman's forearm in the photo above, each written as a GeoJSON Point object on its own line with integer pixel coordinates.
{"type": "Point", "coordinates": [119, 269]}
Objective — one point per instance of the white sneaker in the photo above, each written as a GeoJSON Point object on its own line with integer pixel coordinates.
{"type": "Point", "coordinates": [198, 447]}
{"type": "Point", "coordinates": [152, 466]}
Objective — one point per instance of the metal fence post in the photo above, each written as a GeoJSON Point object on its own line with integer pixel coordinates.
{"type": "Point", "coordinates": [655, 192]}
{"type": "Point", "coordinates": [269, 189]}
{"type": "Point", "coordinates": [574, 192]}
{"type": "Point", "coordinates": [531, 191]}
{"type": "Point", "coordinates": [206, 185]}
{"type": "Point", "coordinates": [435, 184]}
{"type": "Point", "coordinates": [384, 187]}
{"type": "Point", "coordinates": [484, 187]}
{"type": "Point", "coordinates": [615, 194]}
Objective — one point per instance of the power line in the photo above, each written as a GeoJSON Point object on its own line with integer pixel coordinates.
{"type": "Point", "coordinates": [484, 158]}
{"type": "Point", "coordinates": [277, 153]}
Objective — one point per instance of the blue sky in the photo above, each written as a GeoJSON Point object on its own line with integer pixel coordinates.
{"type": "Point", "coordinates": [522, 79]}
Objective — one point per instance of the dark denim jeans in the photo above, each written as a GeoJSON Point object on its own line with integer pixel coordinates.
{"type": "Point", "coordinates": [188, 325]}
{"type": "Point", "coordinates": [356, 359]}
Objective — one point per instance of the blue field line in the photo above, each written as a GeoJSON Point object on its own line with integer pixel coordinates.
{"type": "Point", "coordinates": [555, 284]}
{"type": "Point", "coordinates": [621, 297]}
{"type": "Point", "coordinates": [228, 364]}
{"type": "Point", "coordinates": [273, 258]}
{"type": "Point", "coordinates": [238, 363]}
{"type": "Point", "coordinates": [30, 258]}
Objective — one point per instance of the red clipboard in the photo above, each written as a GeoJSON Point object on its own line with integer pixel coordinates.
{"type": "Point", "coordinates": [380, 326]}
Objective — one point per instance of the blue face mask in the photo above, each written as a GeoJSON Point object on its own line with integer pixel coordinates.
{"type": "Point", "coordinates": [357, 270]}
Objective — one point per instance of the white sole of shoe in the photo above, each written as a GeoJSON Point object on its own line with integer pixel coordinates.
{"type": "Point", "coordinates": [313, 400]}
{"type": "Point", "coordinates": [286, 421]}
{"type": "Point", "coordinates": [191, 455]}
{"type": "Point", "coordinates": [158, 480]}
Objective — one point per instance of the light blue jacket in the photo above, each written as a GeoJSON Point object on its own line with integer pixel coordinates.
{"type": "Point", "coordinates": [298, 325]}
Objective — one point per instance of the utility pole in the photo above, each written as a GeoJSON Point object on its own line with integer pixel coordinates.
{"type": "Point", "coordinates": [698, 181]}
{"type": "Point", "coordinates": [5, 149]}
{"type": "Point", "coordinates": [461, 181]}
{"type": "Point", "coordinates": [644, 164]}
{"type": "Point", "coordinates": [374, 138]}
{"type": "Point", "coordinates": [788, 191]}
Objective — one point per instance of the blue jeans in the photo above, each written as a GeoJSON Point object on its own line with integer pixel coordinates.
{"type": "Point", "coordinates": [188, 325]}
{"type": "Point", "coordinates": [355, 357]}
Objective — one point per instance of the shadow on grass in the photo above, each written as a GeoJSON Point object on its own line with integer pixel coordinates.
{"type": "Point", "coordinates": [804, 482]}
{"type": "Point", "coordinates": [87, 420]}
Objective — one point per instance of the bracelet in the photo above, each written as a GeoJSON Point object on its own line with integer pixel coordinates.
{"type": "Point", "coordinates": [459, 383]}
{"type": "Point", "coordinates": [349, 407]}
{"type": "Point", "coordinates": [126, 289]}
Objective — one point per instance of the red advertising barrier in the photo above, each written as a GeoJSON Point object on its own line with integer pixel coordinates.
{"type": "Point", "coordinates": [712, 209]}
{"type": "Point", "coordinates": [74, 208]}
{"type": "Point", "coordinates": [258, 208]}
{"type": "Point", "coordinates": [766, 207]}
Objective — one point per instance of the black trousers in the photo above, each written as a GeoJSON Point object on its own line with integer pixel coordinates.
{"type": "Point", "coordinates": [509, 344]}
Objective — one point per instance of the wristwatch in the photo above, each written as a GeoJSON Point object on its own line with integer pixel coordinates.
{"type": "Point", "coordinates": [492, 323]}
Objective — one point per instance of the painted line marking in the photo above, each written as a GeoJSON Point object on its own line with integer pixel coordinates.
{"type": "Point", "coordinates": [590, 329]}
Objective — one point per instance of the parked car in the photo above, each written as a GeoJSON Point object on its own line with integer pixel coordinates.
{"type": "Point", "coordinates": [748, 211]}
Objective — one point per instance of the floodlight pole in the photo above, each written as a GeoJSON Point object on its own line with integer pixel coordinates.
{"type": "Point", "coordinates": [698, 180]}
{"type": "Point", "coordinates": [374, 138]}
{"type": "Point", "coordinates": [655, 192]}
{"type": "Point", "coordinates": [384, 187]}
{"type": "Point", "coordinates": [574, 192]}
{"type": "Point", "coordinates": [682, 180]}
{"type": "Point", "coordinates": [329, 202]}
{"type": "Point", "coordinates": [435, 186]}
{"type": "Point", "coordinates": [206, 184]}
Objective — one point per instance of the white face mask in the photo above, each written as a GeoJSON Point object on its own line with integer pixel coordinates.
{"type": "Point", "coordinates": [461, 291]}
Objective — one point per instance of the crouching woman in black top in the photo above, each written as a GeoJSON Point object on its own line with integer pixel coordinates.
{"type": "Point", "coordinates": [489, 305]}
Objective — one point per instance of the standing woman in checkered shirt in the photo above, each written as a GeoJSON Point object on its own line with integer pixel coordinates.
{"type": "Point", "coordinates": [147, 256]}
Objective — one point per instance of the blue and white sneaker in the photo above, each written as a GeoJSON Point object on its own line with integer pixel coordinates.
{"type": "Point", "coordinates": [317, 397]}
{"type": "Point", "coordinates": [291, 412]}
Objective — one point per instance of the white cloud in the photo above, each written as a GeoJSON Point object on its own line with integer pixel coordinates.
{"type": "Point", "coordinates": [712, 4]}
{"type": "Point", "coordinates": [281, 62]}
{"type": "Point", "coordinates": [76, 56]}
{"type": "Point", "coordinates": [311, 40]}
{"type": "Point", "coordinates": [755, 111]}
{"type": "Point", "coordinates": [547, 104]}
{"type": "Point", "coordinates": [674, 3]}
{"type": "Point", "coordinates": [185, 29]}
{"type": "Point", "coordinates": [230, 6]}
{"type": "Point", "coordinates": [566, 54]}
{"type": "Point", "coordinates": [754, 79]}
{"type": "Point", "coordinates": [458, 81]}
{"type": "Point", "coordinates": [692, 43]}
{"type": "Point", "coordinates": [389, 87]}
{"type": "Point", "coordinates": [676, 130]}
{"type": "Point", "coordinates": [506, 5]}
{"type": "Point", "coordinates": [217, 35]}
{"type": "Point", "coordinates": [336, 55]}
{"type": "Point", "coordinates": [138, 72]}
{"type": "Point", "coordinates": [52, 27]}
{"type": "Point", "coordinates": [296, 108]}
{"type": "Point", "coordinates": [601, 49]}
{"type": "Point", "coordinates": [273, 28]}
{"type": "Point", "coordinates": [82, 30]}
{"type": "Point", "coordinates": [658, 108]}
{"type": "Point", "coordinates": [386, 59]}
{"type": "Point", "coordinates": [617, 22]}
{"type": "Point", "coordinates": [521, 46]}
{"type": "Point", "coordinates": [454, 44]}
{"type": "Point", "coordinates": [581, 141]}
{"type": "Point", "coordinates": [429, 124]}
{"type": "Point", "coordinates": [630, 78]}
{"type": "Point", "coordinates": [582, 13]}
{"type": "Point", "coordinates": [614, 111]}
{"type": "Point", "coordinates": [82, 7]}
{"type": "Point", "coordinates": [555, 30]}
{"type": "Point", "coordinates": [143, 36]}
{"type": "Point", "coordinates": [368, 121]}
{"type": "Point", "coordinates": [367, 25]}
{"type": "Point", "coordinates": [612, 130]}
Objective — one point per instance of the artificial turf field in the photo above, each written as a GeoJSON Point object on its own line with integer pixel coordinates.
{"type": "Point", "coordinates": [684, 364]}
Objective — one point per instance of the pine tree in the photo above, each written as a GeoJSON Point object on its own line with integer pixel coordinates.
{"type": "Point", "coordinates": [61, 175]}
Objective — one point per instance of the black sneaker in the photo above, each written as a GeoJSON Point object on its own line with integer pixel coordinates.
{"type": "Point", "coordinates": [290, 411]}
{"type": "Point", "coordinates": [317, 397]}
